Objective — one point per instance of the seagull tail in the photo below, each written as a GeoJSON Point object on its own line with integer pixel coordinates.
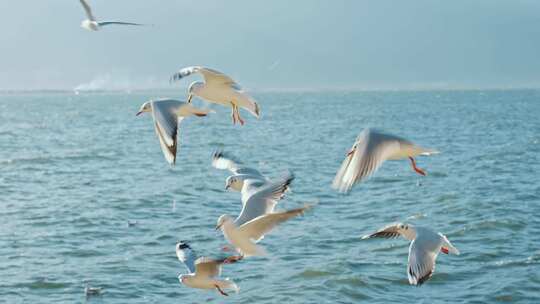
{"type": "Point", "coordinates": [449, 246]}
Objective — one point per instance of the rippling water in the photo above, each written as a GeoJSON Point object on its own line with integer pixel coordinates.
{"type": "Point", "coordinates": [74, 169]}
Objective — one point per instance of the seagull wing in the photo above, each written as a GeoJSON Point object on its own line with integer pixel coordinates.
{"type": "Point", "coordinates": [259, 226]}
{"type": "Point", "coordinates": [389, 232]}
{"type": "Point", "coordinates": [210, 76]}
{"type": "Point", "coordinates": [186, 255]}
{"type": "Point", "coordinates": [104, 23]}
{"type": "Point", "coordinates": [262, 200]}
{"type": "Point", "coordinates": [222, 161]}
{"type": "Point", "coordinates": [206, 267]}
{"type": "Point", "coordinates": [371, 149]}
{"type": "Point", "coordinates": [166, 125]}
{"type": "Point", "coordinates": [422, 255]}
{"type": "Point", "coordinates": [88, 10]}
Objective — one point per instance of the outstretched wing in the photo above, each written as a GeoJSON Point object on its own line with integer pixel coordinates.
{"type": "Point", "coordinates": [186, 255]}
{"type": "Point", "coordinates": [259, 226]}
{"type": "Point", "coordinates": [262, 199]}
{"type": "Point", "coordinates": [370, 150]}
{"type": "Point", "coordinates": [206, 267]}
{"type": "Point", "coordinates": [104, 23]}
{"type": "Point", "coordinates": [210, 76]}
{"type": "Point", "coordinates": [389, 232]}
{"type": "Point", "coordinates": [166, 125]}
{"type": "Point", "coordinates": [421, 260]}
{"type": "Point", "coordinates": [88, 10]}
{"type": "Point", "coordinates": [220, 160]}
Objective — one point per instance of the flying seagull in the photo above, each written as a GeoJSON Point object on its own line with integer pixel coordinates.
{"type": "Point", "coordinates": [424, 248]}
{"type": "Point", "coordinates": [245, 236]}
{"type": "Point", "coordinates": [168, 113]}
{"type": "Point", "coordinates": [221, 89]}
{"type": "Point", "coordinates": [370, 150]}
{"type": "Point", "coordinates": [259, 194]}
{"type": "Point", "coordinates": [92, 24]}
{"type": "Point", "coordinates": [202, 271]}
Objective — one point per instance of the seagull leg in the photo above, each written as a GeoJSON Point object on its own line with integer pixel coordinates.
{"type": "Point", "coordinates": [221, 291]}
{"type": "Point", "coordinates": [233, 116]}
{"type": "Point", "coordinates": [418, 170]}
{"type": "Point", "coordinates": [238, 116]}
{"type": "Point", "coordinates": [444, 250]}
{"type": "Point", "coordinates": [237, 113]}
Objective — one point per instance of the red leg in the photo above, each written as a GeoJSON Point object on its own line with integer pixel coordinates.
{"type": "Point", "coordinates": [444, 250]}
{"type": "Point", "coordinates": [418, 170]}
{"type": "Point", "coordinates": [233, 116]}
{"type": "Point", "coordinates": [238, 118]}
{"type": "Point", "coordinates": [221, 291]}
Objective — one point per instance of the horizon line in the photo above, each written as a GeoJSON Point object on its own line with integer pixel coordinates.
{"type": "Point", "coordinates": [277, 90]}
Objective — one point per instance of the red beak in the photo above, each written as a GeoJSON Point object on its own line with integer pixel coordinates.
{"type": "Point", "coordinates": [444, 250]}
{"type": "Point", "coordinates": [350, 152]}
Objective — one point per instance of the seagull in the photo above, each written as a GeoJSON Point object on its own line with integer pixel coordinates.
{"type": "Point", "coordinates": [202, 272]}
{"type": "Point", "coordinates": [368, 153]}
{"type": "Point", "coordinates": [92, 291]}
{"type": "Point", "coordinates": [259, 195]}
{"type": "Point", "coordinates": [245, 236]}
{"type": "Point", "coordinates": [424, 248]}
{"type": "Point", "coordinates": [221, 89]}
{"type": "Point", "coordinates": [168, 113]}
{"type": "Point", "coordinates": [92, 25]}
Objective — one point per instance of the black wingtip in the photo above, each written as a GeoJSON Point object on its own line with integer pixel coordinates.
{"type": "Point", "coordinates": [184, 245]}
{"type": "Point", "coordinates": [218, 154]}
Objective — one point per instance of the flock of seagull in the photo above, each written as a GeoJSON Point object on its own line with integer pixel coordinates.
{"type": "Point", "coordinates": [259, 194]}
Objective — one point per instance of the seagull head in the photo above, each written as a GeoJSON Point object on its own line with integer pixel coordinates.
{"type": "Point", "coordinates": [146, 107]}
{"type": "Point", "coordinates": [222, 220]}
{"type": "Point", "coordinates": [230, 182]}
{"type": "Point", "coordinates": [236, 182]}
{"type": "Point", "coordinates": [407, 230]}
{"type": "Point", "coordinates": [182, 245]}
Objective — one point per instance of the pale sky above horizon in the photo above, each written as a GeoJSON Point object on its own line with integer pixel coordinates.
{"type": "Point", "coordinates": [274, 43]}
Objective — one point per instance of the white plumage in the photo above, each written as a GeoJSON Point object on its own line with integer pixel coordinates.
{"type": "Point", "coordinates": [423, 251]}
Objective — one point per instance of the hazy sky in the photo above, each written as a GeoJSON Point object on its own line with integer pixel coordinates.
{"type": "Point", "coordinates": [273, 43]}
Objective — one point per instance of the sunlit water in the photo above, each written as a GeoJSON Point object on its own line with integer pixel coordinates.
{"type": "Point", "coordinates": [74, 169]}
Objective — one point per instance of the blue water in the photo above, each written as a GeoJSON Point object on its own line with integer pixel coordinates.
{"type": "Point", "coordinates": [74, 169]}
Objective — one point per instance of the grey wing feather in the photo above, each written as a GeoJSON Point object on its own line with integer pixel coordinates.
{"type": "Point", "coordinates": [185, 72]}
{"type": "Point", "coordinates": [220, 160]}
{"type": "Point", "coordinates": [389, 232]}
{"type": "Point", "coordinates": [210, 76]}
{"type": "Point", "coordinates": [206, 267]}
{"type": "Point", "coordinates": [422, 255]}
{"type": "Point", "coordinates": [166, 124]}
{"type": "Point", "coordinates": [372, 149]}
{"type": "Point", "coordinates": [259, 226]}
{"type": "Point", "coordinates": [104, 23]}
{"type": "Point", "coordinates": [88, 10]}
{"type": "Point", "coordinates": [186, 255]}
{"type": "Point", "coordinates": [262, 200]}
